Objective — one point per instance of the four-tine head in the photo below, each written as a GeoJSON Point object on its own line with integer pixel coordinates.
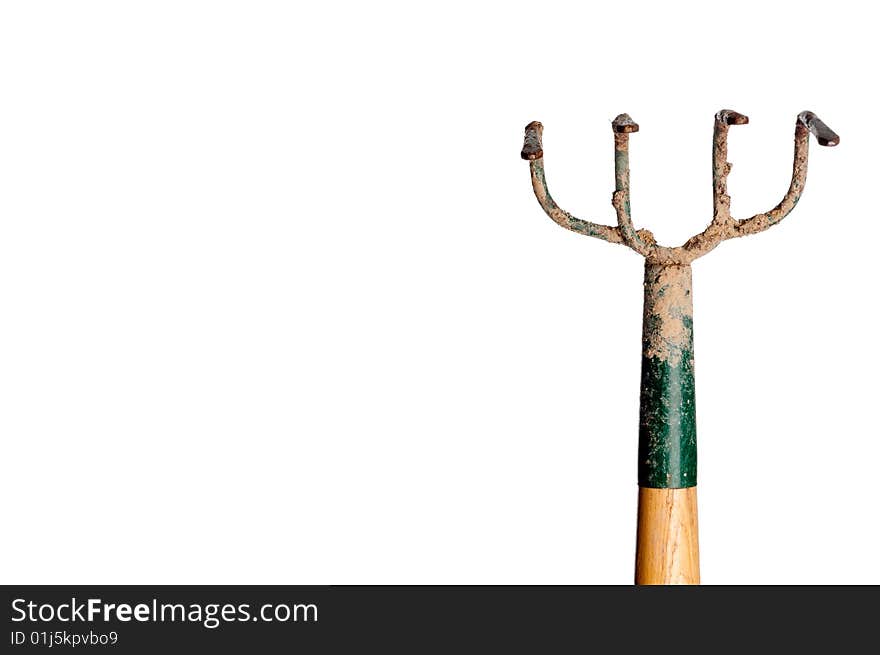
{"type": "Point", "coordinates": [722, 227]}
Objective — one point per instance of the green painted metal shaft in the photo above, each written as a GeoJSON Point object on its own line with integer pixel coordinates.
{"type": "Point", "coordinates": [667, 424]}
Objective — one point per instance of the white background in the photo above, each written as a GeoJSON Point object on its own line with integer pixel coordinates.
{"type": "Point", "coordinates": [277, 304]}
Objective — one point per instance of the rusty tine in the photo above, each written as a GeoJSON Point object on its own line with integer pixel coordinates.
{"type": "Point", "coordinates": [623, 124]}
{"type": "Point", "coordinates": [730, 117]}
{"type": "Point", "coordinates": [824, 134]}
{"type": "Point", "coordinates": [532, 148]}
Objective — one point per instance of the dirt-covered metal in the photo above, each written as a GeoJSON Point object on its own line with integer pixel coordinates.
{"type": "Point", "coordinates": [722, 227]}
{"type": "Point", "coordinates": [667, 407]}
{"type": "Point", "coordinates": [667, 425]}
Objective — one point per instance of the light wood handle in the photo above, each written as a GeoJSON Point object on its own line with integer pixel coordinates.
{"type": "Point", "coordinates": [667, 544]}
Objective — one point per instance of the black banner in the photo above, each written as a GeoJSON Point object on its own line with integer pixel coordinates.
{"type": "Point", "coordinates": [415, 619]}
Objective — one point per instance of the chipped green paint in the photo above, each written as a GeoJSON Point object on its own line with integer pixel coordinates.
{"type": "Point", "coordinates": [562, 217]}
{"type": "Point", "coordinates": [667, 423]}
{"type": "Point", "coordinates": [621, 172]}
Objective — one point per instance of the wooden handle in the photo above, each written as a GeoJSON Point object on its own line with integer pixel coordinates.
{"type": "Point", "coordinates": [667, 545]}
